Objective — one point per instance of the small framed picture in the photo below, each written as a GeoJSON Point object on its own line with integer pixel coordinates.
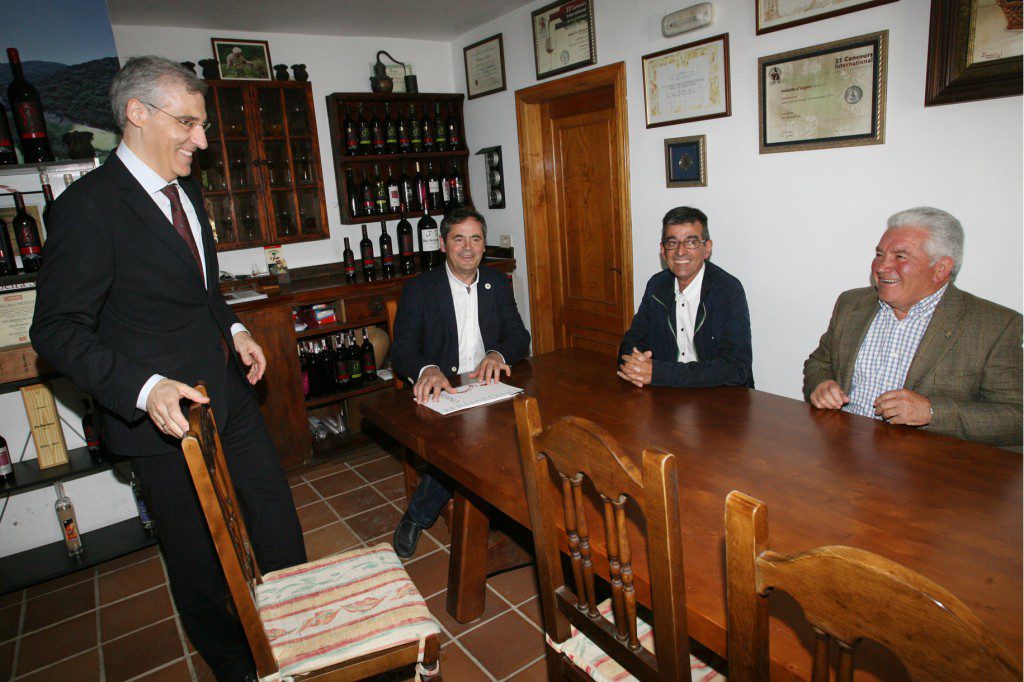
{"type": "Point", "coordinates": [563, 37]}
{"type": "Point", "coordinates": [686, 162]}
{"type": "Point", "coordinates": [242, 59]}
{"type": "Point", "coordinates": [485, 67]}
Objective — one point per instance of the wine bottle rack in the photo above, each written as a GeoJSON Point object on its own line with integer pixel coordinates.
{"type": "Point", "coordinates": [342, 104]}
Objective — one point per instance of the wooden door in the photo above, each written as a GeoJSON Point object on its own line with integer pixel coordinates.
{"type": "Point", "coordinates": [574, 160]}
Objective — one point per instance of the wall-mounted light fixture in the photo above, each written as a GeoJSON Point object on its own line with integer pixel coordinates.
{"type": "Point", "coordinates": [689, 19]}
{"type": "Point", "coordinates": [495, 181]}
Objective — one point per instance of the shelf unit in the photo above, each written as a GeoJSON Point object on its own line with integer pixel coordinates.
{"type": "Point", "coordinates": [345, 104]}
{"type": "Point", "coordinates": [28, 475]}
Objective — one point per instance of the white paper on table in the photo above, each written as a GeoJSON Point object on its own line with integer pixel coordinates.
{"type": "Point", "coordinates": [472, 395]}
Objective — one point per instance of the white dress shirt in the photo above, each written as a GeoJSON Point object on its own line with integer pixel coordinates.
{"type": "Point", "coordinates": [152, 183]}
{"type": "Point", "coordinates": [687, 304]}
{"type": "Point", "coordinates": [467, 320]}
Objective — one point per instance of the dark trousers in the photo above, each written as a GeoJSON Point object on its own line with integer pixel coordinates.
{"type": "Point", "coordinates": [429, 499]}
{"type": "Point", "coordinates": [193, 568]}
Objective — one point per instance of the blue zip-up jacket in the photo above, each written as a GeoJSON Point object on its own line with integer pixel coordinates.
{"type": "Point", "coordinates": [721, 339]}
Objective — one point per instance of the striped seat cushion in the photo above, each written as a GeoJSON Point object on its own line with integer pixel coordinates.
{"type": "Point", "coordinates": [593, 660]}
{"type": "Point", "coordinates": [340, 607]}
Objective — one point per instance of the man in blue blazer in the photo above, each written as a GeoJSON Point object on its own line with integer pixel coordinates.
{"type": "Point", "coordinates": [692, 327]}
{"type": "Point", "coordinates": [456, 319]}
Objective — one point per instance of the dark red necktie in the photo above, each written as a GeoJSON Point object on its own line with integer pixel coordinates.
{"type": "Point", "coordinates": [181, 222]}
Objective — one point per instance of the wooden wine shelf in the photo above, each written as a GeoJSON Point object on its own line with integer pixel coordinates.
{"type": "Point", "coordinates": [326, 329]}
{"type": "Point", "coordinates": [375, 385]}
{"type": "Point", "coordinates": [350, 159]}
{"type": "Point", "coordinates": [28, 475]}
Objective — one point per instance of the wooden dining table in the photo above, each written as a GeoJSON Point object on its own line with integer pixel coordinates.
{"type": "Point", "coordinates": [947, 508]}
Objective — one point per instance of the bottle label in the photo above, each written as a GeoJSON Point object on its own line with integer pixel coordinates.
{"type": "Point", "coordinates": [341, 371]}
{"type": "Point", "coordinates": [403, 138]}
{"type": "Point", "coordinates": [355, 368]}
{"type": "Point", "coordinates": [92, 439]}
{"type": "Point", "coordinates": [30, 120]}
{"type": "Point", "coordinates": [430, 239]}
{"type": "Point", "coordinates": [392, 134]}
{"type": "Point", "coordinates": [446, 192]}
{"type": "Point", "coordinates": [350, 267]}
{"type": "Point", "coordinates": [70, 529]}
{"type": "Point", "coordinates": [387, 259]}
{"type": "Point", "coordinates": [428, 135]}
{"type": "Point", "coordinates": [393, 198]}
{"type": "Point", "coordinates": [369, 362]}
{"type": "Point", "coordinates": [5, 461]}
{"type": "Point", "coordinates": [6, 144]}
{"type": "Point", "coordinates": [416, 133]}
{"type": "Point", "coordinates": [352, 139]}
{"type": "Point", "coordinates": [434, 187]}
{"type": "Point", "coordinates": [378, 137]}
{"type": "Point", "coordinates": [367, 255]}
{"type": "Point", "coordinates": [364, 135]}
{"type": "Point", "coordinates": [405, 242]}
{"type": "Point", "coordinates": [143, 511]}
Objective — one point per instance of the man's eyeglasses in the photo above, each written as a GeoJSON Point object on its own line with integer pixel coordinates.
{"type": "Point", "coordinates": [671, 243]}
{"type": "Point", "coordinates": [188, 123]}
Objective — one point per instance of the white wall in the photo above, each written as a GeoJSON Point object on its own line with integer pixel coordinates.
{"type": "Point", "coordinates": [796, 228]}
{"type": "Point", "coordinates": [335, 64]}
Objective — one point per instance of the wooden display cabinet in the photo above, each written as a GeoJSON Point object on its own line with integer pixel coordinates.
{"type": "Point", "coordinates": [342, 105]}
{"type": "Point", "coordinates": [261, 175]}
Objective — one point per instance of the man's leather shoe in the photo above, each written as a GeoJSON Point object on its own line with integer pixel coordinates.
{"type": "Point", "coordinates": [406, 536]}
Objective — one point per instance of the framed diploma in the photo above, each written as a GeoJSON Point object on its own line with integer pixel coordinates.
{"type": "Point", "coordinates": [687, 83]}
{"type": "Point", "coordinates": [563, 37]}
{"type": "Point", "coordinates": [686, 162]}
{"type": "Point", "coordinates": [485, 67]}
{"type": "Point", "coordinates": [825, 96]}
{"type": "Point", "coordinates": [775, 15]}
{"type": "Point", "coordinates": [974, 50]}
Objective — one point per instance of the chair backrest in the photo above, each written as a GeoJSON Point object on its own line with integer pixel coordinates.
{"type": "Point", "coordinates": [212, 480]}
{"type": "Point", "coordinates": [848, 594]}
{"type": "Point", "coordinates": [391, 306]}
{"type": "Point", "coordinates": [579, 449]}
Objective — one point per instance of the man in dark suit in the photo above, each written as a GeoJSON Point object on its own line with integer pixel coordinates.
{"type": "Point", "coordinates": [456, 319]}
{"type": "Point", "coordinates": [128, 307]}
{"type": "Point", "coordinates": [692, 327]}
{"type": "Point", "coordinates": [914, 349]}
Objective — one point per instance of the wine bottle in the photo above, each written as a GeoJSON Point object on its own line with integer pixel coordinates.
{"type": "Point", "coordinates": [406, 246]}
{"type": "Point", "coordinates": [406, 190]}
{"type": "Point", "coordinates": [377, 131]}
{"type": "Point", "coordinates": [355, 200]}
{"type": "Point", "coordinates": [27, 234]}
{"type": "Point", "coordinates": [304, 370]}
{"type": "Point", "coordinates": [342, 377]}
{"type": "Point", "coordinates": [390, 130]}
{"type": "Point", "coordinates": [419, 181]}
{"type": "Point", "coordinates": [351, 132]}
{"type": "Point", "coordinates": [367, 356]}
{"type": "Point", "coordinates": [458, 185]}
{"type": "Point", "coordinates": [68, 523]}
{"type": "Point", "coordinates": [329, 379]}
{"type": "Point", "coordinates": [6, 468]}
{"type": "Point", "coordinates": [365, 137]}
{"type": "Point", "coordinates": [430, 241]}
{"type": "Point", "coordinates": [8, 266]}
{"type": "Point", "coordinates": [380, 192]}
{"type": "Point", "coordinates": [404, 134]}
{"type": "Point", "coordinates": [8, 157]}
{"type": "Point", "coordinates": [394, 196]}
{"type": "Point", "coordinates": [145, 519]}
{"type": "Point", "coordinates": [366, 254]}
{"type": "Point", "coordinates": [387, 257]}
{"type": "Point", "coordinates": [90, 432]}
{"type": "Point", "coordinates": [429, 131]}
{"type": "Point", "coordinates": [454, 136]}
{"type": "Point", "coordinates": [369, 199]}
{"type": "Point", "coordinates": [445, 181]}
{"type": "Point", "coordinates": [44, 182]}
{"type": "Point", "coordinates": [441, 134]}
{"type": "Point", "coordinates": [434, 196]}
{"type": "Point", "coordinates": [415, 130]}
{"type": "Point", "coordinates": [27, 109]}
{"type": "Point", "coordinates": [355, 364]}
{"type": "Point", "coordinates": [350, 262]}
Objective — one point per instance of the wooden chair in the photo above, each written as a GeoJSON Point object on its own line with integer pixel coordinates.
{"type": "Point", "coordinates": [580, 635]}
{"type": "Point", "coordinates": [344, 617]}
{"type": "Point", "coordinates": [848, 594]}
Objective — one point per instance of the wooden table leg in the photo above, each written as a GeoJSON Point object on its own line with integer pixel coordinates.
{"type": "Point", "coordinates": [467, 568]}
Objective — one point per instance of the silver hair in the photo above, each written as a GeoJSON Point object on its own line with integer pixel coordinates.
{"type": "Point", "coordinates": [945, 233]}
{"type": "Point", "coordinates": [147, 79]}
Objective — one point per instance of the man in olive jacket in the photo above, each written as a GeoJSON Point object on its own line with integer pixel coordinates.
{"type": "Point", "coordinates": [915, 350]}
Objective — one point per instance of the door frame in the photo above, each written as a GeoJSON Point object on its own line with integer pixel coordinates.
{"type": "Point", "coordinates": [538, 216]}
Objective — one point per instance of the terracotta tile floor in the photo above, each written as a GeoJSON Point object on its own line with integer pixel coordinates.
{"type": "Point", "coordinates": [117, 621]}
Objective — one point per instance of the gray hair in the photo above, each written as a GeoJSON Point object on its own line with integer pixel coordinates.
{"type": "Point", "coordinates": [945, 233]}
{"type": "Point", "coordinates": [147, 79]}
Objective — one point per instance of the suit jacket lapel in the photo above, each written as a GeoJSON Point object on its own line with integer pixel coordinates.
{"type": "Point", "coordinates": [851, 336]}
{"type": "Point", "coordinates": [153, 218]}
{"type": "Point", "coordinates": [205, 230]}
{"type": "Point", "coordinates": [666, 295]}
{"type": "Point", "coordinates": [940, 336]}
{"type": "Point", "coordinates": [484, 304]}
{"type": "Point", "coordinates": [444, 299]}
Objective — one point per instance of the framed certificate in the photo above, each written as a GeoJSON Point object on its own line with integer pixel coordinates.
{"type": "Point", "coordinates": [687, 83]}
{"type": "Point", "coordinates": [974, 50]}
{"type": "Point", "coordinates": [825, 96]}
{"type": "Point", "coordinates": [775, 15]}
{"type": "Point", "coordinates": [485, 67]}
{"type": "Point", "coordinates": [563, 37]}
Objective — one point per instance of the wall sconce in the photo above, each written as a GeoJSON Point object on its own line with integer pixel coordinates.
{"type": "Point", "coordinates": [689, 19]}
{"type": "Point", "coordinates": [495, 180]}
